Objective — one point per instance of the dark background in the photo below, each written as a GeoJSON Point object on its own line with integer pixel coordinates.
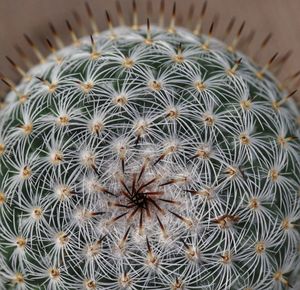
{"type": "Point", "coordinates": [281, 17]}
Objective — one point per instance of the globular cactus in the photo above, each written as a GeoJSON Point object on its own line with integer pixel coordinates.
{"type": "Point", "coordinates": [149, 158]}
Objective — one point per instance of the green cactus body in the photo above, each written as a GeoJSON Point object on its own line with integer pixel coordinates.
{"type": "Point", "coordinates": [149, 159]}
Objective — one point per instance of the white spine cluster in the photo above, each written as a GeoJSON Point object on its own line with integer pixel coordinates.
{"type": "Point", "coordinates": [149, 160]}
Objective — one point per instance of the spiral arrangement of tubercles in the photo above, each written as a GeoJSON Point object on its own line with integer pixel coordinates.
{"type": "Point", "coordinates": [149, 157]}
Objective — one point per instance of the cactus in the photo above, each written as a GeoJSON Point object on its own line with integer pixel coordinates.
{"type": "Point", "coordinates": [145, 157]}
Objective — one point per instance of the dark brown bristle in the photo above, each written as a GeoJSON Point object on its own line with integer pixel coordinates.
{"type": "Point", "coordinates": [146, 184]}
{"type": "Point", "coordinates": [191, 191]}
{"type": "Point", "coordinates": [278, 65]}
{"type": "Point", "coordinates": [40, 79]}
{"type": "Point", "coordinates": [291, 94]}
{"type": "Point", "coordinates": [286, 56]}
{"type": "Point", "coordinates": [123, 165]}
{"type": "Point", "coordinates": [162, 6]}
{"type": "Point", "coordinates": [79, 22]}
{"type": "Point", "coordinates": [20, 51]}
{"type": "Point", "coordinates": [134, 8]}
{"type": "Point", "coordinates": [149, 8]}
{"type": "Point", "coordinates": [11, 61]}
{"type": "Point", "coordinates": [135, 23]}
{"type": "Point", "coordinates": [232, 46]}
{"type": "Point", "coordinates": [50, 45]}
{"type": "Point", "coordinates": [177, 215]}
{"type": "Point", "coordinates": [101, 239]}
{"type": "Point", "coordinates": [148, 245]}
{"type": "Point", "coordinates": [174, 9]}
{"type": "Point", "coordinates": [57, 39]}
{"type": "Point", "coordinates": [161, 13]}
{"type": "Point", "coordinates": [149, 37]}
{"type": "Point", "coordinates": [293, 76]}
{"type": "Point", "coordinates": [72, 32]}
{"type": "Point", "coordinates": [119, 8]}
{"type": "Point", "coordinates": [191, 11]}
{"type": "Point", "coordinates": [120, 14]}
{"type": "Point", "coordinates": [107, 16]}
{"type": "Point", "coordinates": [211, 28]}
{"type": "Point", "coordinates": [266, 40]}
{"type": "Point", "coordinates": [141, 172]}
{"type": "Point", "coordinates": [24, 57]}
{"type": "Point", "coordinates": [272, 58]}
{"type": "Point", "coordinates": [16, 67]}
{"type": "Point", "coordinates": [179, 51]}
{"type": "Point", "coordinates": [154, 193]}
{"type": "Point", "coordinates": [92, 40]}
{"type": "Point", "coordinates": [5, 82]}
{"type": "Point", "coordinates": [77, 18]}
{"type": "Point", "coordinates": [88, 9]}
{"type": "Point", "coordinates": [156, 205]}
{"type": "Point", "coordinates": [141, 221]}
{"type": "Point", "coordinates": [241, 29]}
{"type": "Point", "coordinates": [244, 42]}
{"type": "Point", "coordinates": [215, 20]}
{"type": "Point", "coordinates": [198, 28]}
{"type": "Point", "coordinates": [126, 234]}
{"type": "Point", "coordinates": [34, 48]}
{"type": "Point", "coordinates": [262, 45]}
{"type": "Point", "coordinates": [172, 181]}
{"type": "Point", "coordinates": [96, 213]}
{"type": "Point", "coordinates": [161, 157]}
{"type": "Point", "coordinates": [229, 26]}
{"type": "Point", "coordinates": [91, 18]}
{"type": "Point", "coordinates": [203, 10]}
{"type": "Point", "coordinates": [238, 61]}
{"type": "Point", "coordinates": [118, 217]}
{"type": "Point", "coordinates": [190, 14]}
{"type": "Point", "coordinates": [125, 186]}
{"type": "Point", "coordinates": [70, 28]}
{"type": "Point", "coordinates": [148, 24]}
{"type": "Point", "coordinates": [9, 83]}
{"type": "Point", "coordinates": [233, 70]}
{"type": "Point", "coordinates": [173, 19]}
{"type": "Point", "coordinates": [29, 41]}
{"type": "Point", "coordinates": [289, 80]}
{"type": "Point", "coordinates": [109, 22]}
{"type": "Point", "coordinates": [52, 28]}
{"type": "Point", "coordinates": [168, 200]}
{"type": "Point", "coordinates": [133, 189]}
{"type": "Point", "coordinates": [160, 223]}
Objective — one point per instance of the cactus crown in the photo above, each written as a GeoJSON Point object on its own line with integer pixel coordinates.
{"type": "Point", "coordinates": [148, 158]}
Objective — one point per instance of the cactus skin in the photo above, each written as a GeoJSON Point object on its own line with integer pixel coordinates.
{"type": "Point", "coordinates": [149, 162]}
